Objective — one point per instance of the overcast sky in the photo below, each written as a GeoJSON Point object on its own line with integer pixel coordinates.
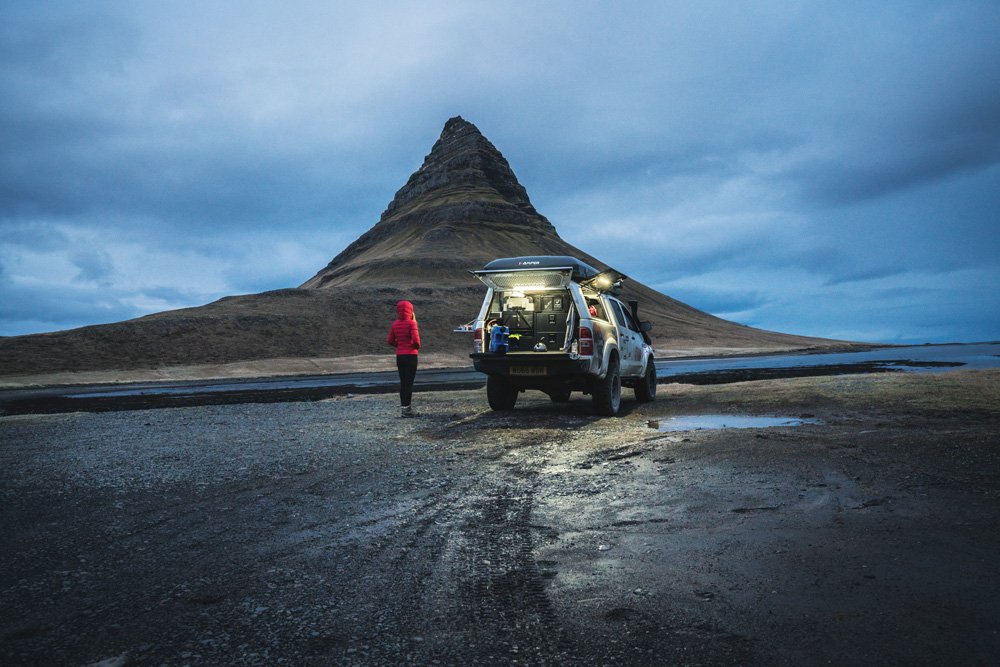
{"type": "Point", "coordinates": [823, 168]}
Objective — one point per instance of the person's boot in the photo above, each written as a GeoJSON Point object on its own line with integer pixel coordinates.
{"type": "Point", "coordinates": [407, 410]}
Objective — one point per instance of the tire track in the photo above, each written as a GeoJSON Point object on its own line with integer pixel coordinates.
{"type": "Point", "coordinates": [500, 587]}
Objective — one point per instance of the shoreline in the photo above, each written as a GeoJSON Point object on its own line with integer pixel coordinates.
{"type": "Point", "coordinates": [293, 367]}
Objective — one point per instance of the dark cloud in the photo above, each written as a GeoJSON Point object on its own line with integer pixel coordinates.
{"type": "Point", "coordinates": [82, 138]}
{"type": "Point", "coordinates": [31, 234]}
{"type": "Point", "coordinates": [95, 266]}
{"type": "Point", "coordinates": [60, 309]}
{"type": "Point", "coordinates": [925, 107]}
{"type": "Point", "coordinates": [864, 276]}
{"type": "Point", "coordinates": [918, 159]}
{"type": "Point", "coordinates": [720, 301]}
{"type": "Point", "coordinates": [28, 309]}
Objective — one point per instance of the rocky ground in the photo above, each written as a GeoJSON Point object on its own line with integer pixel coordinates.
{"type": "Point", "coordinates": [335, 532]}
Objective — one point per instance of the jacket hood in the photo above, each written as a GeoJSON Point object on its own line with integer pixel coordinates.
{"type": "Point", "coordinates": [404, 310]}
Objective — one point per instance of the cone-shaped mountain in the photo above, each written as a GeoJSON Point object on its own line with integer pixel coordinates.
{"type": "Point", "coordinates": [465, 207]}
{"type": "Point", "coordinates": [461, 209]}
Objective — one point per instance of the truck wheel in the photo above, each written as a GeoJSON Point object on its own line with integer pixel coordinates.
{"type": "Point", "coordinates": [645, 387]}
{"type": "Point", "coordinates": [560, 396]}
{"type": "Point", "coordinates": [500, 394]}
{"type": "Point", "coordinates": [608, 392]}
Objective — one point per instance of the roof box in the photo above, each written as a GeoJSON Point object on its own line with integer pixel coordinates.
{"type": "Point", "coordinates": [581, 270]}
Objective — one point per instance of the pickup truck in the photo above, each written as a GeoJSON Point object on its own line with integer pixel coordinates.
{"type": "Point", "coordinates": [552, 323]}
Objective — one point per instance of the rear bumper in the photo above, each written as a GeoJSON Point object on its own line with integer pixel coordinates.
{"type": "Point", "coordinates": [534, 370]}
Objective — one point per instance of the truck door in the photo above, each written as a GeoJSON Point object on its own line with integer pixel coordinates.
{"type": "Point", "coordinates": [629, 341]}
{"type": "Point", "coordinates": [637, 338]}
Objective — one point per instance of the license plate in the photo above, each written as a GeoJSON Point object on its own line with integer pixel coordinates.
{"type": "Point", "coordinates": [528, 370]}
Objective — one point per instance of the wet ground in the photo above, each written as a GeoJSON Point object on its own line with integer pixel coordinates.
{"type": "Point", "coordinates": [335, 532]}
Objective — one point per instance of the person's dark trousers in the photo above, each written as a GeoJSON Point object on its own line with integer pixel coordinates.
{"type": "Point", "coordinates": [407, 365]}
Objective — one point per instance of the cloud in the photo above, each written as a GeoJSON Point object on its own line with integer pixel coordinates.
{"type": "Point", "coordinates": [32, 307]}
{"type": "Point", "coordinates": [34, 234]}
{"type": "Point", "coordinates": [148, 149]}
{"type": "Point", "coordinates": [77, 275]}
{"type": "Point", "coordinates": [863, 276]}
{"type": "Point", "coordinates": [798, 301]}
{"type": "Point", "coordinates": [95, 266]}
{"type": "Point", "coordinates": [917, 104]}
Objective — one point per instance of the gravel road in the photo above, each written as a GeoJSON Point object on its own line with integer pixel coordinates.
{"type": "Point", "coordinates": [335, 532]}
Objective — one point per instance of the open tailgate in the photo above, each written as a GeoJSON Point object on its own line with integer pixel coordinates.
{"type": "Point", "coordinates": [526, 280]}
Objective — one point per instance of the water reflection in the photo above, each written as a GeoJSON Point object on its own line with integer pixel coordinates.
{"type": "Point", "coordinates": [714, 422]}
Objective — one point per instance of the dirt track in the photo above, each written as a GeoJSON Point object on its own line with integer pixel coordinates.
{"type": "Point", "coordinates": [337, 533]}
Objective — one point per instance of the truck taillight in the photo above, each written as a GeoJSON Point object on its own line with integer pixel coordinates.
{"type": "Point", "coordinates": [477, 340]}
{"type": "Point", "coordinates": [586, 341]}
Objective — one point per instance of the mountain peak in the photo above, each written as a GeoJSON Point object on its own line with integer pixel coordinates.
{"type": "Point", "coordinates": [462, 159]}
{"type": "Point", "coordinates": [457, 124]}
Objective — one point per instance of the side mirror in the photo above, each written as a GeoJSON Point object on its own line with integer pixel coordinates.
{"type": "Point", "coordinates": [645, 326]}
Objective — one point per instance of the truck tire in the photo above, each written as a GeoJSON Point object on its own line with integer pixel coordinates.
{"type": "Point", "coordinates": [560, 395]}
{"type": "Point", "coordinates": [645, 387]}
{"type": "Point", "coordinates": [500, 394]}
{"type": "Point", "coordinates": [607, 393]}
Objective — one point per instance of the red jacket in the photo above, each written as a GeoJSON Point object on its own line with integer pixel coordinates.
{"type": "Point", "coordinates": [404, 333]}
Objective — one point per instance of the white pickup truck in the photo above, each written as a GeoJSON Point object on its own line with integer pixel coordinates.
{"type": "Point", "coordinates": [551, 323]}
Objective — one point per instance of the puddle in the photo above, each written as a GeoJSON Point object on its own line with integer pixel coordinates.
{"type": "Point", "coordinates": [712, 422]}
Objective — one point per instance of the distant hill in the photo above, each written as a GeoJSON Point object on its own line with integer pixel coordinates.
{"type": "Point", "coordinates": [462, 208]}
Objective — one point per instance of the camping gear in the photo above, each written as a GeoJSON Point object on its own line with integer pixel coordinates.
{"type": "Point", "coordinates": [499, 339]}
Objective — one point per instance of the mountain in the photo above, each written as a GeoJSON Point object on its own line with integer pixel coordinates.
{"type": "Point", "coordinates": [462, 208]}
{"type": "Point", "coordinates": [465, 207]}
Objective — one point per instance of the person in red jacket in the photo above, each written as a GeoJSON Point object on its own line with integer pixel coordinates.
{"type": "Point", "coordinates": [405, 337]}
